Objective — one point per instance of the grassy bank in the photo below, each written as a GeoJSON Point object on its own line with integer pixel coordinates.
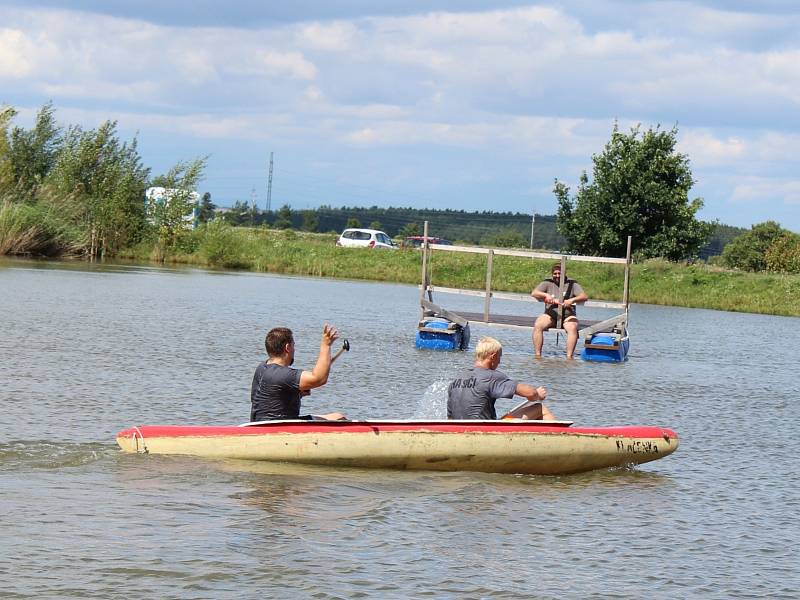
{"type": "Point", "coordinates": [652, 282]}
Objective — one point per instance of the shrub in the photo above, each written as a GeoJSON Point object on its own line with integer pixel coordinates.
{"type": "Point", "coordinates": [783, 255]}
{"type": "Point", "coordinates": [747, 252]}
{"type": "Point", "coordinates": [507, 238]}
{"type": "Point", "coordinates": [221, 246]}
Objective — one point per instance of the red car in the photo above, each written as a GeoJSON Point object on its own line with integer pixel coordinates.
{"type": "Point", "coordinates": [416, 241]}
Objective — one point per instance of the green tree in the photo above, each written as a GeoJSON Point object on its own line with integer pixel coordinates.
{"type": "Point", "coordinates": [721, 236]}
{"type": "Point", "coordinates": [640, 188]}
{"type": "Point", "coordinates": [284, 220]}
{"type": "Point", "coordinates": [748, 251]}
{"type": "Point", "coordinates": [353, 222]}
{"type": "Point", "coordinates": [32, 153]}
{"type": "Point", "coordinates": [408, 230]}
{"type": "Point", "coordinates": [376, 225]}
{"type": "Point", "coordinates": [255, 214]}
{"type": "Point", "coordinates": [97, 183]}
{"type": "Point", "coordinates": [207, 208]}
{"type": "Point", "coordinates": [783, 255]}
{"type": "Point", "coordinates": [310, 220]}
{"type": "Point", "coordinates": [507, 238]}
{"type": "Point", "coordinates": [7, 114]}
{"type": "Point", "coordinates": [170, 214]}
{"type": "Point", "coordinates": [238, 214]}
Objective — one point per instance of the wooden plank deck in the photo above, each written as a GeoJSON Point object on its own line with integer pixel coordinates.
{"type": "Point", "coordinates": [518, 321]}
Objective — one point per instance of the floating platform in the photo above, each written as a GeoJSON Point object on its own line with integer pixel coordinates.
{"type": "Point", "coordinates": [442, 329]}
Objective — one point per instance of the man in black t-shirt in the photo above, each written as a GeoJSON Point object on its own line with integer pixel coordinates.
{"type": "Point", "coordinates": [277, 387]}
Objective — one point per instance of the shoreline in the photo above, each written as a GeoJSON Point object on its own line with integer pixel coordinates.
{"type": "Point", "coordinates": [656, 283]}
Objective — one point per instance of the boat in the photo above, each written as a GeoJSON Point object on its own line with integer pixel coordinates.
{"type": "Point", "coordinates": [501, 446]}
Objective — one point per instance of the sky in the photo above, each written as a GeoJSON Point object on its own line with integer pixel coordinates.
{"type": "Point", "coordinates": [473, 105]}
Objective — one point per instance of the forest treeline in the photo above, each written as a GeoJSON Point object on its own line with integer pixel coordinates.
{"type": "Point", "coordinates": [503, 229]}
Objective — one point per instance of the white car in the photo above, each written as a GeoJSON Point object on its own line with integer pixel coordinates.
{"type": "Point", "coordinates": [365, 238]}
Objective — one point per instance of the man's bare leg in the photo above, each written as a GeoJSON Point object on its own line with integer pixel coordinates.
{"type": "Point", "coordinates": [334, 416]}
{"type": "Point", "coordinates": [538, 412]}
{"type": "Point", "coordinates": [571, 327]}
{"type": "Point", "coordinates": [542, 323]}
{"type": "Point", "coordinates": [547, 415]}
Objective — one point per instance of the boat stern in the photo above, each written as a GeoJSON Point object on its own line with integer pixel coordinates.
{"type": "Point", "coordinates": [131, 440]}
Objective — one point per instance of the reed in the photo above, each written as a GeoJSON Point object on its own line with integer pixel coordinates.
{"type": "Point", "coordinates": [31, 229]}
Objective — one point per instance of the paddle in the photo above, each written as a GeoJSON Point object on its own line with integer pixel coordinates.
{"type": "Point", "coordinates": [530, 409]}
{"type": "Point", "coordinates": [345, 348]}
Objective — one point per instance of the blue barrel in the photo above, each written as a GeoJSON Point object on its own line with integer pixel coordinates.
{"type": "Point", "coordinates": [450, 338]}
{"type": "Point", "coordinates": [616, 352]}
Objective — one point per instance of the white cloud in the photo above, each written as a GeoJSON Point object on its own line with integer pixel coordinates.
{"type": "Point", "coordinates": [199, 125]}
{"type": "Point", "coordinates": [534, 136]}
{"type": "Point", "coordinates": [15, 52]}
{"type": "Point", "coordinates": [747, 151]}
{"type": "Point", "coordinates": [105, 90]}
{"type": "Point", "coordinates": [208, 125]}
{"type": "Point", "coordinates": [465, 29]}
{"type": "Point", "coordinates": [196, 66]}
{"type": "Point", "coordinates": [524, 61]}
{"type": "Point", "coordinates": [26, 54]}
{"type": "Point", "coordinates": [711, 26]}
{"type": "Point", "coordinates": [755, 189]}
{"type": "Point", "coordinates": [705, 149]}
{"type": "Point", "coordinates": [313, 94]}
{"type": "Point", "coordinates": [292, 64]}
{"type": "Point", "coordinates": [337, 36]}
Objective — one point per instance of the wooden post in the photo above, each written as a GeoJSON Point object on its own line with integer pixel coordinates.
{"type": "Point", "coordinates": [424, 269]}
{"type": "Point", "coordinates": [626, 285]}
{"type": "Point", "coordinates": [627, 274]}
{"type": "Point", "coordinates": [488, 299]}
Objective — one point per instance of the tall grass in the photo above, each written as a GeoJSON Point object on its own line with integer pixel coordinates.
{"type": "Point", "coordinates": [33, 229]}
{"type": "Point", "coordinates": [652, 282]}
{"type": "Point", "coordinates": [703, 286]}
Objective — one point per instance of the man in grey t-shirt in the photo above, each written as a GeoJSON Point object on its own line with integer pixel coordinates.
{"type": "Point", "coordinates": [549, 292]}
{"type": "Point", "coordinates": [472, 394]}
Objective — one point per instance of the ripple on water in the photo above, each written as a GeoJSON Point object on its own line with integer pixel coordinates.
{"type": "Point", "coordinates": [39, 455]}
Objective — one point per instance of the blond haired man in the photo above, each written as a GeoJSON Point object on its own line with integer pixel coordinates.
{"type": "Point", "coordinates": [472, 394]}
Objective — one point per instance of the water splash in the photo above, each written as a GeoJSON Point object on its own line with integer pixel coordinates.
{"type": "Point", "coordinates": [433, 404]}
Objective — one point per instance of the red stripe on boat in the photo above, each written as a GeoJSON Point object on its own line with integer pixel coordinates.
{"type": "Point", "coordinates": [284, 427]}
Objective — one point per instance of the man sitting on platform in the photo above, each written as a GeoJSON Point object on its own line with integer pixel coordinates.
{"type": "Point", "coordinates": [277, 388]}
{"type": "Point", "coordinates": [549, 292]}
{"type": "Point", "coordinates": [473, 393]}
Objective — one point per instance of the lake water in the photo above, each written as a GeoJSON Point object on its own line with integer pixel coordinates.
{"type": "Point", "coordinates": [86, 351]}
